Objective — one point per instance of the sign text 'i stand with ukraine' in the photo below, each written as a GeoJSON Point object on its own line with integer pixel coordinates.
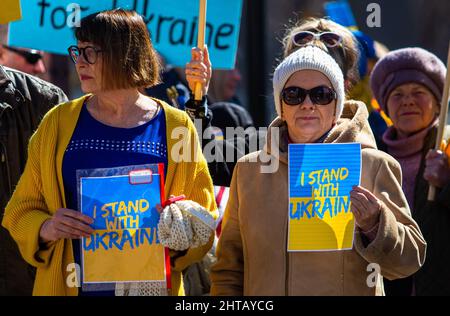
{"type": "Point", "coordinates": [321, 177]}
{"type": "Point", "coordinates": [125, 245]}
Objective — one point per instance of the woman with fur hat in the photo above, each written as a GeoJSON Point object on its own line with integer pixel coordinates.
{"type": "Point", "coordinates": [408, 84]}
{"type": "Point", "coordinates": [252, 256]}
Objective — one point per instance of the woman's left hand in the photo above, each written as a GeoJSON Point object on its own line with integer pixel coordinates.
{"type": "Point", "coordinates": [437, 170]}
{"type": "Point", "coordinates": [366, 208]}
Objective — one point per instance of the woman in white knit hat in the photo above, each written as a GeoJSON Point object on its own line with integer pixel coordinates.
{"type": "Point", "coordinates": [252, 252]}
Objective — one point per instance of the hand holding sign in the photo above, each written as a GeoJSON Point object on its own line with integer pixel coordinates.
{"type": "Point", "coordinates": [366, 208]}
{"type": "Point", "coordinates": [66, 223]}
{"type": "Point", "coordinates": [198, 70]}
{"type": "Point", "coordinates": [185, 224]}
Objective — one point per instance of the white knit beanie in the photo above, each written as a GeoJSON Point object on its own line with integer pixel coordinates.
{"type": "Point", "coordinates": [309, 58]}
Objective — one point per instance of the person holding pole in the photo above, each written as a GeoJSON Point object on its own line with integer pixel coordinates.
{"type": "Point", "coordinates": [198, 76]}
{"type": "Point", "coordinates": [408, 84]}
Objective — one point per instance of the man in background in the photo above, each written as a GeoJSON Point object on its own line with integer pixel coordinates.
{"type": "Point", "coordinates": [23, 59]}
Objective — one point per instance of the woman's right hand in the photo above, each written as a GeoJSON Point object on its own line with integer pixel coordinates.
{"type": "Point", "coordinates": [64, 224]}
{"type": "Point", "coordinates": [199, 70]}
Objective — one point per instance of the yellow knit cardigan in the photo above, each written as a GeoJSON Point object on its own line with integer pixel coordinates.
{"type": "Point", "coordinates": [40, 192]}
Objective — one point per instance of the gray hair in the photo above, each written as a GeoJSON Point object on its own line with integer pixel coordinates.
{"type": "Point", "coordinates": [4, 34]}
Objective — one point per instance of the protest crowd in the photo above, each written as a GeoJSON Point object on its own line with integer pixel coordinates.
{"type": "Point", "coordinates": [153, 178]}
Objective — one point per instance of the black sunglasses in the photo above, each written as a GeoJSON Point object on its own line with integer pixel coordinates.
{"type": "Point", "coordinates": [89, 53]}
{"type": "Point", "coordinates": [32, 57]}
{"type": "Point", "coordinates": [320, 95]}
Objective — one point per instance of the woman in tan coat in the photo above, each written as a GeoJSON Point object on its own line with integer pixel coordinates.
{"type": "Point", "coordinates": [252, 251]}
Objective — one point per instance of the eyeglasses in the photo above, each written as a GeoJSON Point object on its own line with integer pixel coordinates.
{"type": "Point", "coordinates": [89, 53]}
{"type": "Point", "coordinates": [320, 95]}
{"type": "Point", "coordinates": [330, 39]}
{"type": "Point", "coordinates": [32, 56]}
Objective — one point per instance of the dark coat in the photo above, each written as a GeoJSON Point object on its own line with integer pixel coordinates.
{"type": "Point", "coordinates": [224, 114]}
{"type": "Point", "coordinates": [24, 99]}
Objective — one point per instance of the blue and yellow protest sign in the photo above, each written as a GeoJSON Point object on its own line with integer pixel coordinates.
{"type": "Point", "coordinates": [9, 11]}
{"type": "Point", "coordinates": [125, 245]}
{"type": "Point", "coordinates": [48, 25]}
{"type": "Point", "coordinates": [321, 177]}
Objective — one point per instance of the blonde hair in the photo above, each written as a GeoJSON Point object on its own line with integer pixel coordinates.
{"type": "Point", "coordinates": [346, 55]}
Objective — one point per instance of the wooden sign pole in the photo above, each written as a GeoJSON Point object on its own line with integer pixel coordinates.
{"type": "Point", "coordinates": [198, 95]}
{"type": "Point", "coordinates": [442, 120]}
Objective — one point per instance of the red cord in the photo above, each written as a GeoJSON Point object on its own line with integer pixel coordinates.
{"type": "Point", "coordinates": [173, 200]}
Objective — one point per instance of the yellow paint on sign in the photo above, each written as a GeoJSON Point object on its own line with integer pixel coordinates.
{"type": "Point", "coordinates": [10, 11]}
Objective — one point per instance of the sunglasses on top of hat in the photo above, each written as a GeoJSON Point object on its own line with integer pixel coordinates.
{"type": "Point", "coordinates": [330, 39]}
{"type": "Point", "coordinates": [31, 56]}
{"type": "Point", "coordinates": [321, 95]}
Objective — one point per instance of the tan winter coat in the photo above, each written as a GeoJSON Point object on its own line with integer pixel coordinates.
{"type": "Point", "coordinates": [252, 251]}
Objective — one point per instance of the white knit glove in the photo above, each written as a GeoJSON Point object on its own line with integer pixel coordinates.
{"type": "Point", "coordinates": [185, 224]}
{"type": "Point", "coordinates": [141, 289]}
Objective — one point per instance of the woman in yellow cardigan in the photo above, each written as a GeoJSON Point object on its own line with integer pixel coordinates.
{"type": "Point", "coordinates": [113, 126]}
